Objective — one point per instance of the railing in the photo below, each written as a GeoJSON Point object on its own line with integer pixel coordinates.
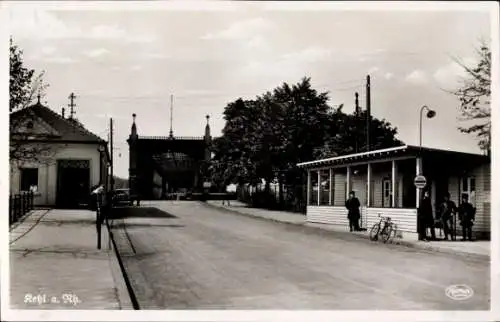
{"type": "Point", "coordinates": [19, 205]}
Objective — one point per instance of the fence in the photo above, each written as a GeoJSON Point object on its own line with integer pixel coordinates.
{"type": "Point", "coordinates": [19, 205]}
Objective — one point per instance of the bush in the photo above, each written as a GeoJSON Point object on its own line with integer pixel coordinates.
{"type": "Point", "coordinates": [261, 199]}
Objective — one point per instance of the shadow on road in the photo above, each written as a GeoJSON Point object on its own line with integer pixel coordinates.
{"type": "Point", "coordinates": [139, 212]}
{"type": "Point", "coordinates": [137, 225]}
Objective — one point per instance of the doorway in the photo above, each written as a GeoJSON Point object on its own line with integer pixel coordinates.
{"type": "Point", "coordinates": [73, 183]}
{"type": "Point", "coordinates": [387, 193]}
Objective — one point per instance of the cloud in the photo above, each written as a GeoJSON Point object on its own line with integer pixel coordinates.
{"type": "Point", "coordinates": [373, 70]}
{"type": "Point", "coordinates": [39, 24]}
{"type": "Point", "coordinates": [47, 50]}
{"type": "Point", "coordinates": [155, 55]}
{"type": "Point", "coordinates": [417, 77]}
{"type": "Point", "coordinates": [389, 75]}
{"type": "Point", "coordinates": [136, 67]}
{"type": "Point", "coordinates": [94, 53]}
{"type": "Point", "coordinates": [450, 75]}
{"type": "Point", "coordinates": [241, 30]}
{"type": "Point", "coordinates": [60, 60]}
{"type": "Point", "coordinates": [309, 55]}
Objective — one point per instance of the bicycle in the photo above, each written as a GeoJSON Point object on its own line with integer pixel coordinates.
{"type": "Point", "coordinates": [384, 228]}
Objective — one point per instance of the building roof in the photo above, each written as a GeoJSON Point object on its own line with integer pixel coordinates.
{"type": "Point", "coordinates": [58, 128]}
{"type": "Point", "coordinates": [405, 150]}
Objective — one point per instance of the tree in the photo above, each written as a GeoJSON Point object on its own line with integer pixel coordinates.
{"type": "Point", "coordinates": [475, 98]}
{"type": "Point", "coordinates": [265, 138]}
{"type": "Point", "coordinates": [23, 87]}
{"type": "Point", "coordinates": [348, 132]}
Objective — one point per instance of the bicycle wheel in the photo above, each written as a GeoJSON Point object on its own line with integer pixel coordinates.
{"type": "Point", "coordinates": [374, 232]}
{"type": "Point", "coordinates": [386, 233]}
{"type": "Point", "coordinates": [394, 233]}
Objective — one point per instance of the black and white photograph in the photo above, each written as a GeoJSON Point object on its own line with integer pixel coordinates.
{"type": "Point", "coordinates": [231, 160]}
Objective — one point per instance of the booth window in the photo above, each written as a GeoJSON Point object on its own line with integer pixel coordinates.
{"type": "Point", "coordinates": [325, 187]}
{"type": "Point", "coordinates": [29, 179]}
{"type": "Point", "coordinates": [468, 187]}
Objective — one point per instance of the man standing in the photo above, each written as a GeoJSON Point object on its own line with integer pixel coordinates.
{"type": "Point", "coordinates": [466, 215]}
{"type": "Point", "coordinates": [425, 218]}
{"type": "Point", "coordinates": [352, 204]}
{"type": "Point", "coordinates": [447, 210]}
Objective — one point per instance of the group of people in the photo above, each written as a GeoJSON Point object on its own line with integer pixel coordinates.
{"type": "Point", "coordinates": [425, 217]}
{"type": "Point", "coordinates": [445, 214]}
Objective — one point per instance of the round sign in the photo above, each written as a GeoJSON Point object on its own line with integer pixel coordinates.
{"type": "Point", "coordinates": [420, 181]}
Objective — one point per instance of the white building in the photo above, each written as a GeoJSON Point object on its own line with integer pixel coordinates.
{"type": "Point", "coordinates": [56, 157]}
{"type": "Point", "coordinates": [383, 181]}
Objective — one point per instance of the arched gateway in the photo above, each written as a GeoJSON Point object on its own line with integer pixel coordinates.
{"type": "Point", "coordinates": [161, 165]}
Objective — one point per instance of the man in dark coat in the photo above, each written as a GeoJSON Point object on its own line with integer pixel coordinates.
{"type": "Point", "coordinates": [425, 218]}
{"type": "Point", "coordinates": [352, 204]}
{"type": "Point", "coordinates": [466, 215]}
{"type": "Point", "coordinates": [447, 210]}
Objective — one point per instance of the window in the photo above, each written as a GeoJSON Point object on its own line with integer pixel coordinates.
{"type": "Point", "coordinates": [468, 187]}
{"type": "Point", "coordinates": [29, 179]}
{"type": "Point", "coordinates": [387, 193]}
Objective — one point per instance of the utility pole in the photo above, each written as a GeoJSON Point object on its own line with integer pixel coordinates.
{"type": "Point", "coordinates": [357, 123]}
{"type": "Point", "coordinates": [111, 152]}
{"type": "Point", "coordinates": [72, 104]}
{"type": "Point", "coordinates": [171, 115]}
{"type": "Point", "coordinates": [368, 112]}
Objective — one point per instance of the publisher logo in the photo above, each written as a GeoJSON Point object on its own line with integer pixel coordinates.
{"type": "Point", "coordinates": [459, 292]}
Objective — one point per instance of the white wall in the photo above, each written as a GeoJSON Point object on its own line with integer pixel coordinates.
{"type": "Point", "coordinates": [47, 171]}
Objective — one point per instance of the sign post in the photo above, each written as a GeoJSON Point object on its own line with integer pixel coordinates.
{"type": "Point", "coordinates": [420, 182]}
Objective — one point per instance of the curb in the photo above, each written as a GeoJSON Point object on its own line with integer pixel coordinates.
{"type": "Point", "coordinates": [403, 243]}
{"type": "Point", "coordinates": [131, 302]}
{"type": "Point", "coordinates": [121, 287]}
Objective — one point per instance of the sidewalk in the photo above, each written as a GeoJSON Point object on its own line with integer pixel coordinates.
{"type": "Point", "coordinates": [55, 264]}
{"type": "Point", "coordinates": [476, 248]}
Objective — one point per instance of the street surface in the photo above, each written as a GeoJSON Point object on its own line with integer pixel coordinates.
{"type": "Point", "coordinates": [186, 255]}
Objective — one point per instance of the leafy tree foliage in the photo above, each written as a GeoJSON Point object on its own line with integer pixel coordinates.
{"type": "Point", "coordinates": [475, 98]}
{"type": "Point", "coordinates": [24, 85]}
{"type": "Point", "coordinates": [264, 138]}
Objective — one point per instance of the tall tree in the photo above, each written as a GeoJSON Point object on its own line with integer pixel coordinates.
{"type": "Point", "coordinates": [348, 131]}
{"type": "Point", "coordinates": [475, 98]}
{"type": "Point", "coordinates": [24, 86]}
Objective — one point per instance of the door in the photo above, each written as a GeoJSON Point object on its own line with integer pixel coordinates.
{"type": "Point", "coordinates": [441, 189]}
{"type": "Point", "coordinates": [73, 183]}
{"type": "Point", "coordinates": [387, 193]}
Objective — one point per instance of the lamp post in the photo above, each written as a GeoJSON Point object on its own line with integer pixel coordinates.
{"type": "Point", "coordinates": [430, 114]}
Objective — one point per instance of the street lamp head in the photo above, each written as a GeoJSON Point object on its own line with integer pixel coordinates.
{"type": "Point", "coordinates": [431, 114]}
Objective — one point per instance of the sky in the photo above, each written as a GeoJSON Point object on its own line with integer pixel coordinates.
{"type": "Point", "coordinates": [120, 61]}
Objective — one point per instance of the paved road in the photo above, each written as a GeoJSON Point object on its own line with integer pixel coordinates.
{"type": "Point", "coordinates": [185, 255]}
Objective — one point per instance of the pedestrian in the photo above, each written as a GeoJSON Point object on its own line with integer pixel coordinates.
{"type": "Point", "coordinates": [466, 215]}
{"type": "Point", "coordinates": [447, 210]}
{"type": "Point", "coordinates": [352, 204]}
{"type": "Point", "coordinates": [425, 218]}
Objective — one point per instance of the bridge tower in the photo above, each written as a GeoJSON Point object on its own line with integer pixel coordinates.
{"type": "Point", "coordinates": [132, 169]}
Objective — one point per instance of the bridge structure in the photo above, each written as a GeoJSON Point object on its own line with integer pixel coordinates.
{"type": "Point", "coordinates": [160, 165]}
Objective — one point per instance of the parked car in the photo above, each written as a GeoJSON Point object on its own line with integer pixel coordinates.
{"type": "Point", "coordinates": [122, 197]}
